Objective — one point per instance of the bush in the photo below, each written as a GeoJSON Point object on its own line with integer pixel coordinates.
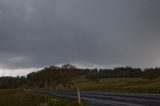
{"type": "Point", "coordinates": [94, 76]}
{"type": "Point", "coordinates": [152, 73]}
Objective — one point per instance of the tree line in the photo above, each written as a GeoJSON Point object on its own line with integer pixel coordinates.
{"type": "Point", "coordinates": [53, 76]}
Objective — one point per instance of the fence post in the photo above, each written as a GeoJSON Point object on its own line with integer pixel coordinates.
{"type": "Point", "coordinates": [78, 96]}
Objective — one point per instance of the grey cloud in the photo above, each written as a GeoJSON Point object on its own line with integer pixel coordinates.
{"type": "Point", "coordinates": [37, 33]}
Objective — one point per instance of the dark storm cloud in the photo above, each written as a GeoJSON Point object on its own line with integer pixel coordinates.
{"type": "Point", "coordinates": [37, 33]}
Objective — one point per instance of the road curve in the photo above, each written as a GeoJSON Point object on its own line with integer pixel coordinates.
{"type": "Point", "coordinates": [108, 98]}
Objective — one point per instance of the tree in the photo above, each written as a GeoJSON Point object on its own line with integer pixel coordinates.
{"type": "Point", "coordinates": [94, 75]}
{"type": "Point", "coordinates": [151, 73]}
{"type": "Point", "coordinates": [69, 73]}
{"type": "Point", "coordinates": [68, 66]}
{"type": "Point", "coordinates": [12, 82]}
{"type": "Point", "coordinates": [127, 72]}
{"type": "Point", "coordinates": [53, 76]}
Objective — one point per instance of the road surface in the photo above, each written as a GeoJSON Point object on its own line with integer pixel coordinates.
{"type": "Point", "coordinates": [108, 98]}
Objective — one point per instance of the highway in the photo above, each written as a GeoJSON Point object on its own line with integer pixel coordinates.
{"type": "Point", "coordinates": [109, 98]}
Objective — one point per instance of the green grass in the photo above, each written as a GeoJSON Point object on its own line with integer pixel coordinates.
{"type": "Point", "coordinates": [119, 85]}
{"type": "Point", "coordinates": [21, 98]}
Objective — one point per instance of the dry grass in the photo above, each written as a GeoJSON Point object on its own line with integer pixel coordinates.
{"type": "Point", "coordinates": [21, 98]}
{"type": "Point", "coordinates": [120, 85]}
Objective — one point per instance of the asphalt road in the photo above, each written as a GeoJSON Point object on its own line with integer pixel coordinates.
{"type": "Point", "coordinates": [109, 98]}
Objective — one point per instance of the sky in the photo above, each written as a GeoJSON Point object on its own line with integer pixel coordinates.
{"type": "Point", "coordinates": [86, 33]}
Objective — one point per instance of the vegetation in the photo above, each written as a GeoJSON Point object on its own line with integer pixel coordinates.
{"type": "Point", "coordinates": [12, 82]}
{"type": "Point", "coordinates": [66, 77]}
{"type": "Point", "coordinates": [135, 85]}
{"type": "Point", "coordinates": [94, 75]}
{"type": "Point", "coordinates": [62, 102]}
{"type": "Point", "coordinates": [152, 73]}
{"type": "Point", "coordinates": [21, 98]}
{"type": "Point", "coordinates": [53, 76]}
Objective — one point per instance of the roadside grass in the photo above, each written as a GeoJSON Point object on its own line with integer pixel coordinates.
{"type": "Point", "coordinates": [21, 98]}
{"type": "Point", "coordinates": [61, 102]}
{"type": "Point", "coordinates": [135, 85]}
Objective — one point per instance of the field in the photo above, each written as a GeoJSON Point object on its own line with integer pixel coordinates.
{"type": "Point", "coordinates": [23, 98]}
{"type": "Point", "coordinates": [119, 85]}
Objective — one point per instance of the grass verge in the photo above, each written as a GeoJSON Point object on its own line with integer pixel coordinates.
{"type": "Point", "coordinates": [23, 98]}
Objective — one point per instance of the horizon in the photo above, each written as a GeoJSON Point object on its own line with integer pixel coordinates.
{"type": "Point", "coordinates": [18, 72]}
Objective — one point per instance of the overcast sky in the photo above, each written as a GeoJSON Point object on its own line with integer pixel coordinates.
{"type": "Point", "coordinates": [88, 33]}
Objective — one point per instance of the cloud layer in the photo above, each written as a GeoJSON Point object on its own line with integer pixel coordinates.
{"type": "Point", "coordinates": [37, 33]}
